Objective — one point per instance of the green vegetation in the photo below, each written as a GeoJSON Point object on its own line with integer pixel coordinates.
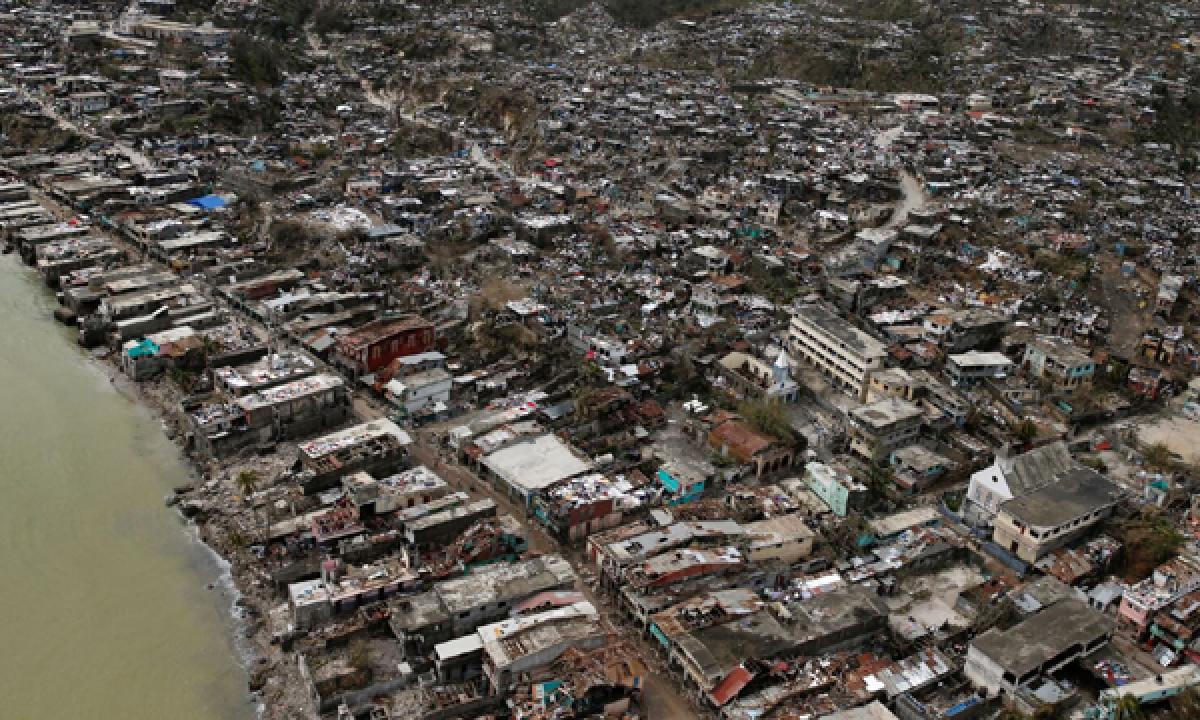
{"type": "Point", "coordinates": [640, 13]}
{"type": "Point", "coordinates": [496, 106]}
{"type": "Point", "coordinates": [359, 658]}
{"type": "Point", "coordinates": [885, 10]}
{"type": "Point", "coordinates": [1128, 708]}
{"type": "Point", "coordinates": [186, 380]}
{"type": "Point", "coordinates": [283, 19]}
{"type": "Point", "coordinates": [244, 116]}
{"type": "Point", "coordinates": [1026, 430]}
{"type": "Point", "coordinates": [1176, 121]}
{"type": "Point", "coordinates": [422, 47]}
{"type": "Point", "coordinates": [1048, 34]}
{"type": "Point", "coordinates": [33, 132]}
{"type": "Point", "coordinates": [237, 539]}
{"type": "Point", "coordinates": [247, 481]}
{"type": "Point", "coordinates": [255, 61]}
{"type": "Point", "coordinates": [332, 17]}
{"type": "Point", "coordinates": [388, 12]}
{"type": "Point", "coordinates": [413, 140]}
{"type": "Point", "coordinates": [878, 480]}
{"type": "Point", "coordinates": [1185, 706]}
{"type": "Point", "coordinates": [768, 418]}
{"type": "Point", "coordinates": [777, 286]}
{"type": "Point", "coordinates": [916, 65]}
{"type": "Point", "coordinates": [1147, 542]}
{"type": "Point", "coordinates": [1158, 457]}
{"type": "Point", "coordinates": [1068, 267]}
{"type": "Point", "coordinates": [185, 9]}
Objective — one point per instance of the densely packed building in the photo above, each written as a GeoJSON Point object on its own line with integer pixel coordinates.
{"type": "Point", "coordinates": [680, 359]}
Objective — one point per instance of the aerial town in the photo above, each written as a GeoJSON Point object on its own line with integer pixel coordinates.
{"type": "Point", "coordinates": [686, 359]}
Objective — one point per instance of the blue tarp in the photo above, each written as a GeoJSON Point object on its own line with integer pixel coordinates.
{"type": "Point", "coordinates": [208, 202]}
{"type": "Point", "coordinates": [966, 705]}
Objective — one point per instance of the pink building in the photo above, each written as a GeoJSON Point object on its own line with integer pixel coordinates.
{"type": "Point", "coordinates": [1169, 581]}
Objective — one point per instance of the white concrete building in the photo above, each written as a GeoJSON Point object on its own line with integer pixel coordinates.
{"type": "Point", "coordinates": [844, 354]}
{"type": "Point", "coordinates": [1013, 476]}
{"type": "Point", "coordinates": [883, 426]}
{"type": "Point", "coordinates": [973, 366]}
{"type": "Point", "coordinates": [528, 465]}
{"type": "Point", "coordinates": [523, 644]}
{"type": "Point", "coordinates": [423, 390]}
{"type": "Point", "coordinates": [1051, 516]}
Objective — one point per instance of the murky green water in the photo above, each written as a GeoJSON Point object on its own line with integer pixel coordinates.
{"type": "Point", "coordinates": [105, 609]}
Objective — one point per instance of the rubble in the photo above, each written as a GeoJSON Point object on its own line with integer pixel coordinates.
{"type": "Point", "coordinates": [707, 328]}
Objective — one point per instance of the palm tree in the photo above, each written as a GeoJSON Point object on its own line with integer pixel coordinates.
{"type": "Point", "coordinates": [211, 346]}
{"type": "Point", "coordinates": [1128, 707]}
{"type": "Point", "coordinates": [247, 481]}
{"type": "Point", "coordinates": [1026, 430]}
{"type": "Point", "coordinates": [1158, 456]}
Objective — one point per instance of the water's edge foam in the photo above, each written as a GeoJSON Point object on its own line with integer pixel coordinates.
{"type": "Point", "coordinates": [241, 643]}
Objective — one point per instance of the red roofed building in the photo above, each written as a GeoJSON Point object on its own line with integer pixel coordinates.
{"type": "Point", "coordinates": [374, 345]}
{"type": "Point", "coordinates": [734, 439]}
{"type": "Point", "coordinates": [731, 685]}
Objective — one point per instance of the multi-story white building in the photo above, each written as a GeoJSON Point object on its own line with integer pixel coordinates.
{"type": "Point", "coordinates": [844, 354]}
{"type": "Point", "coordinates": [973, 366]}
{"type": "Point", "coordinates": [1059, 361]}
{"type": "Point", "coordinates": [1055, 514]}
{"type": "Point", "coordinates": [1013, 476]}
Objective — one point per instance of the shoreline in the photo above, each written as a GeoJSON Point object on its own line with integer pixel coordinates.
{"type": "Point", "coordinates": [247, 612]}
{"type": "Point", "coordinates": [273, 686]}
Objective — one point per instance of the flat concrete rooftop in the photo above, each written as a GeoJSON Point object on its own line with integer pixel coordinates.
{"type": "Point", "coordinates": [1027, 646]}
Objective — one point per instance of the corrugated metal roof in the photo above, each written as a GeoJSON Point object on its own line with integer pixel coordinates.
{"type": "Point", "coordinates": [733, 684]}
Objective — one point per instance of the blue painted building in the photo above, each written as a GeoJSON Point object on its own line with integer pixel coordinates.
{"type": "Point", "coordinates": [680, 485]}
{"type": "Point", "coordinates": [1060, 361]}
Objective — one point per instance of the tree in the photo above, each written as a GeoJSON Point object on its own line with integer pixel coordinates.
{"type": "Point", "coordinates": [247, 481]}
{"type": "Point", "coordinates": [1026, 430]}
{"type": "Point", "coordinates": [185, 379]}
{"type": "Point", "coordinates": [1128, 707]}
{"type": "Point", "coordinates": [586, 383]}
{"type": "Point", "coordinates": [210, 347]}
{"type": "Point", "coordinates": [843, 537]}
{"type": "Point", "coordinates": [1158, 456]}
{"type": "Point", "coordinates": [768, 418]}
{"type": "Point", "coordinates": [1147, 542]}
{"type": "Point", "coordinates": [254, 61]}
{"type": "Point", "coordinates": [331, 18]}
{"type": "Point", "coordinates": [1185, 706]}
{"type": "Point", "coordinates": [236, 539]}
{"type": "Point", "coordinates": [879, 483]}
